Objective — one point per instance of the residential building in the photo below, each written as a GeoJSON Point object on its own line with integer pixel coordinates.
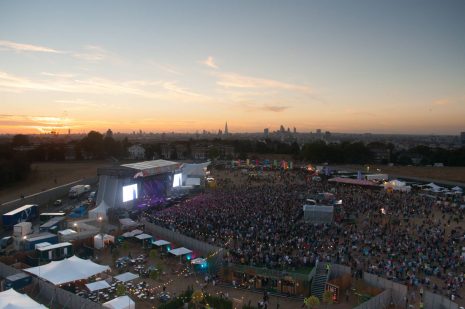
{"type": "Point", "coordinates": [136, 152]}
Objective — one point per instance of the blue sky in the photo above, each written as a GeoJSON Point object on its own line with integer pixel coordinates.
{"type": "Point", "coordinates": [346, 66]}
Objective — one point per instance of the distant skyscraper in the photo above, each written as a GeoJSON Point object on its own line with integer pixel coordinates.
{"type": "Point", "coordinates": [226, 132]}
{"type": "Point", "coordinates": [462, 138]}
{"type": "Point", "coordinates": [266, 132]}
{"type": "Point", "coordinates": [295, 130]}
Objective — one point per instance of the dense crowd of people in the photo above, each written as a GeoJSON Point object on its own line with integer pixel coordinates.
{"type": "Point", "coordinates": [412, 238]}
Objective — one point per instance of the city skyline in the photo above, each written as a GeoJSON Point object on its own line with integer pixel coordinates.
{"type": "Point", "coordinates": [386, 67]}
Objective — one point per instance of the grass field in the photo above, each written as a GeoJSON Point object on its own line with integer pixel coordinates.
{"type": "Point", "coordinates": [44, 176]}
{"type": "Point", "coordinates": [447, 173]}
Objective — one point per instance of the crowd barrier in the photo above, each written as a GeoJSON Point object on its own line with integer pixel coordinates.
{"type": "Point", "coordinates": [338, 270]}
{"type": "Point", "coordinates": [436, 301]}
{"type": "Point", "coordinates": [382, 300]}
{"type": "Point", "coordinates": [183, 240]}
{"type": "Point", "coordinates": [399, 291]}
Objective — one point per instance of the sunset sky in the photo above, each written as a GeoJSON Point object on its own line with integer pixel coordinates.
{"type": "Point", "coordinates": [343, 66]}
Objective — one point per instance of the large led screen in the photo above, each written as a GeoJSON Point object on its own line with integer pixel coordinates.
{"type": "Point", "coordinates": [177, 181]}
{"type": "Point", "coordinates": [129, 193]}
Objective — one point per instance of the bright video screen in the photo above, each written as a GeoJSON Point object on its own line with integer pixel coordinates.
{"type": "Point", "coordinates": [129, 193]}
{"type": "Point", "coordinates": [177, 181]}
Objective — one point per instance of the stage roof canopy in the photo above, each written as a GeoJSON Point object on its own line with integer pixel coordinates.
{"type": "Point", "coordinates": [150, 168]}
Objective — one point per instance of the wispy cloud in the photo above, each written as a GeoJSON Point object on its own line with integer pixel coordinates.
{"type": "Point", "coordinates": [234, 80]}
{"type": "Point", "coordinates": [20, 47]}
{"type": "Point", "coordinates": [60, 75]}
{"type": "Point", "coordinates": [43, 124]}
{"type": "Point", "coordinates": [441, 102]}
{"type": "Point", "coordinates": [275, 108]}
{"type": "Point", "coordinates": [163, 90]}
{"type": "Point", "coordinates": [93, 53]}
{"type": "Point", "coordinates": [210, 62]}
{"type": "Point", "coordinates": [166, 68]}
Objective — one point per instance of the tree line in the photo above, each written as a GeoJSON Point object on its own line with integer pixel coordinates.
{"type": "Point", "coordinates": [15, 156]}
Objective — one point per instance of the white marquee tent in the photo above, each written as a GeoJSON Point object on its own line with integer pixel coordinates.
{"type": "Point", "coordinates": [127, 276]}
{"type": "Point", "coordinates": [132, 233]}
{"type": "Point", "coordinates": [144, 236]}
{"type": "Point", "coordinates": [97, 285]}
{"type": "Point", "coordinates": [180, 251]}
{"type": "Point", "coordinates": [101, 239]}
{"type": "Point", "coordinates": [67, 270]}
{"type": "Point", "coordinates": [161, 242]}
{"type": "Point", "coordinates": [10, 299]}
{"type": "Point", "coordinates": [122, 302]}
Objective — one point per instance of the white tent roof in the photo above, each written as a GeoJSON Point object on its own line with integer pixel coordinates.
{"type": "Point", "coordinates": [143, 236]}
{"type": "Point", "coordinates": [128, 276]}
{"type": "Point", "coordinates": [10, 299]}
{"type": "Point", "coordinates": [457, 189]}
{"type": "Point", "coordinates": [180, 251]}
{"type": "Point", "coordinates": [67, 232]}
{"type": "Point", "coordinates": [122, 302]}
{"type": "Point", "coordinates": [198, 261]}
{"type": "Point", "coordinates": [132, 233]}
{"type": "Point", "coordinates": [161, 242]}
{"type": "Point", "coordinates": [97, 285]}
{"type": "Point", "coordinates": [42, 244]}
{"type": "Point", "coordinates": [127, 222]}
{"type": "Point", "coordinates": [67, 270]}
{"type": "Point", "coordinates": [433, 186]}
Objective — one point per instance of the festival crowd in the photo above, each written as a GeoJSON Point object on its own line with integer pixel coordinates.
{"type": "Point", "coordinates": [411, 238]}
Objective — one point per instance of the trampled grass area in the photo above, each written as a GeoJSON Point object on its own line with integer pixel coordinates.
{"type": "Point", "coordinates": [446, 173]}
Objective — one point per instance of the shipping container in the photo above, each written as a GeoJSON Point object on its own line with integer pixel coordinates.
{"type": "Point", "coordinates": [45, 216]}
{"type": "Point", "coordinates": [53, 225]}
{"type": "Point", "coordinates": [31, 241]}
{"type": "Point", "coordinates": [22, 229]}
{"type": "Point", "coordinates": [55, 252]}
{"type": "Point", "coordinates": [17, 281]}
{"type": "Point", "coordinates": [21, 214]}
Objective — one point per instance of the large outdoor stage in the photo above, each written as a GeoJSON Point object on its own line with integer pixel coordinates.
{"type": "Point", "coordinates": [142, 184]}
{"type": "Point", "coordinates": [130, 185]}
